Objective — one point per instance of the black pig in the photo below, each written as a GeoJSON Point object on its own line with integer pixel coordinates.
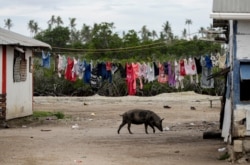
{"type": "Point", "coordinates": [139, 116]}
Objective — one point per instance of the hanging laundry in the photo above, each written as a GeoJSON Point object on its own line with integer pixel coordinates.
{"type": "Point", "coordinates": [94, 79]}
{"type": "Point", "coordinates": [208, 61]}
{"type": "Point", "coordinates": [114, 68]}
{"type": "Point", "coordinates": [190, 68]}
{"type": "Point", "coordinates": [162, 77]}
{"type": "Point", "coordinates": [60, 65]}
{"type": "Point", "coordinates": [130, 79]}
{"type": "Point", "coordinates": [69, 75]}
{"type": "Point", "coordinates": [87, 72]}
{"type": "Point", "coordinates": [165, 65]}
{"type": "Point", "coordinates": [108, 69]}
{"type": "Point", "coordinates": [135, 67]}
{"type": "Point", "coordinates": [142, 74]}
{"type": "Point", "coordinates": [182, 67]}
{"type": "Point", "coordinates": [75, 68]}
{"type": "Point", "coordinates": [171, 75]}
{"type": "Point", "coordinates": [150, 72]}
{"type": "Point", "coordinates": [206, 71]}
{"type": "Point", "coordinates": [45, 59]}
{"type": "Point", "coordinates": [81, 68]}
{"type": "Point", "coordinates": [156, 69]}
{"type": "Point", "coordinates": [198, 65]}
{"type": "Point", "coordinates": [122, 70]}
{"type": "Point", "coordinates": [178, 77]}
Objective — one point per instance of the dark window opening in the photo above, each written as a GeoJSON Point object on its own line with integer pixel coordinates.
{"type": "Point", "coordinates": [19, 67]}
{"type": "Point", "coordinates": [245, 90]}
{"type": "Point", "coordinates": [245, 81]}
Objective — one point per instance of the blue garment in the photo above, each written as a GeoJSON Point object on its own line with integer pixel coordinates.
{"type": "Point", "coordinates": [87, 73]}
{"type": "Point", "coordinates": [206, 71]}
{"type": "Point", "coordinates": [81, 66]}
{"type": "Point", "coordinates": [45, 60]}
{"type": "Point", "coordinates": [104, 73]}
{"type": "Point", "coordinates": [109, 76]}
{"type": "Point", "coordinates": [165, 64]}
{"type": "Point", "coordinates": [208, 61]}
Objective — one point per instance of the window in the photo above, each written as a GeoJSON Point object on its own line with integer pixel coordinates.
{"type": "Point", "coordinates": [244, 81]}
{"type": "Point", "coordinates": [19, 67]}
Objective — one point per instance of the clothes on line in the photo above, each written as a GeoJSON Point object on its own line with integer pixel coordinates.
{"type": "Point", "coordinates": [171, 73]}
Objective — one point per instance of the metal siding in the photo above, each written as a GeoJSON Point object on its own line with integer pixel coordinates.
{"type": "Point", "coordinates": [231, 6]}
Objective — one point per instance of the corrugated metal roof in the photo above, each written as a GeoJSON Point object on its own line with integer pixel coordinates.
{"type": "Point", "coordinates": [231, 6]}
{"type": "Point", "coordinates": [8, 37]}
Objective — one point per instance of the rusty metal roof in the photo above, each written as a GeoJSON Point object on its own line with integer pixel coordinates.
{"type": "Point", "coordinates": [8, 37]}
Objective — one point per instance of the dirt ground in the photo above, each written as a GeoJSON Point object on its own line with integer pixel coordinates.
{"type": "Point", "coordinates": [88, 134]}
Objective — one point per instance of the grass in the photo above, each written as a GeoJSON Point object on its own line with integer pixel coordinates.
{"type": "Point", "coordinates": [224, 156]}
{"type": "Point", "coordinates": [38, 114]}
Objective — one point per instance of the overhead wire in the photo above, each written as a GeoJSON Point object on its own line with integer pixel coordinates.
{"type": "Point", "coordinates": [115, 50]}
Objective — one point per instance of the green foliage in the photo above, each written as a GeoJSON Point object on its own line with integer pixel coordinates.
{"type": "Point", "coordinates": [38, 114]}
{"type": "Point", "coordinates": [57, 37]}
{"type": "Point", "coordinates": [224, 156]}
{"type": "Point", "coordinates": [59, 115]}
{"type": "Point", "coordinates": [102, 43]}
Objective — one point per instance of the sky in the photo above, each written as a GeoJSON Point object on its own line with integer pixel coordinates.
{"type": "Point", "coordinates": [125, 14]}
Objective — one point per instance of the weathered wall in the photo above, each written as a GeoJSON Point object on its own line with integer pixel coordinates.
{"type": "Point", "coordinates": [19, 94]}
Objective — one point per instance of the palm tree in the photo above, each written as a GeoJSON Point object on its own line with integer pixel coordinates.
{"type": "Point", "coordinates": [184, 33]}
{"type": "Point", "coordinates": [72, 23]}
{"type": "Point", "coordinates": [145, 33]}
{"type": "Point", "coordinates": [167, 31]}
{"type": "Point", "coordinates": [73, 33]}
{"type": "Point", "coordinates": [154, 34]}
{"type": "Point", "coordinates": [59, 21]}
{"type": "Point", "coordinates": [36, 28]}
{"type": "Point", "coordinates": [188, 22]}
{"type": "Point", "coordinates": [86, 33]}
{"type": "Point", "coordinates": [8, 23]}
{"type": "Point", "coordinates": [33, 27]}
{"type": "Point", "coordinates": [51, 22]}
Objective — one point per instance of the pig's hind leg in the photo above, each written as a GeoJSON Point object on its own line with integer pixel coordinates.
{"type": "Point", "coordinates": [129, 125]}
{"type": "Point", "coordinates": [120, 127]}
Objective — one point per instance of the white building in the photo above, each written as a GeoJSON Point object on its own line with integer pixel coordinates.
{"type": "Point", "coordinates": [233, 16]}
{"type": "Point", "coordinates": [16, 74]}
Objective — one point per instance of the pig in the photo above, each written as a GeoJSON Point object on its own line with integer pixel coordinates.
{"type": "Point", "coordinates": [140, 116]}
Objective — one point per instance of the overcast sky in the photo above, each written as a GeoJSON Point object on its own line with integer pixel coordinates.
{"type": "Point", "coordinates": [125, 14]}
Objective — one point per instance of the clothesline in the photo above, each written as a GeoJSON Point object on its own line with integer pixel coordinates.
{"type": "Point", "coordinates": [171, 72]}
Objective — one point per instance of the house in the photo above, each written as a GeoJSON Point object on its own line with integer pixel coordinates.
{"type": "Point", "coordinates": [233, 16]}
{"type": "Point", "coordinates": [16, 74]}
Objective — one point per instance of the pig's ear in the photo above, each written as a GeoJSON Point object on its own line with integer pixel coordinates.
{"type": "Point", "coordinates": [162, 119]}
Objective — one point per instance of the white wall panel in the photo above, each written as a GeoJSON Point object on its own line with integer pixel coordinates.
{"type": "Point", "coordinates": [19, 94]}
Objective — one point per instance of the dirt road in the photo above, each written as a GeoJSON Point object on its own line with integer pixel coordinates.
{"type": "Point", "coordinates": [88, 135]}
